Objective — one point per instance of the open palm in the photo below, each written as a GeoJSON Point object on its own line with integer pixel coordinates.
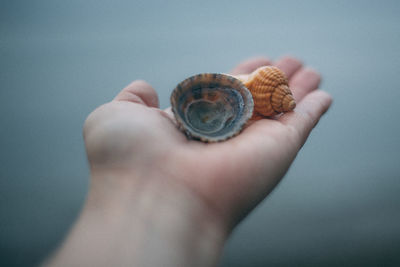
{"type": "Point", "coordinates": [132, 134]}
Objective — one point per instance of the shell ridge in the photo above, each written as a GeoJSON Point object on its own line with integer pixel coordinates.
{"type": "Point", "coordinates": [269, 87]}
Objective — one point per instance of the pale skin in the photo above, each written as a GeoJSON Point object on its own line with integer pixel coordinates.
{"type": "Point", "coordinates": [159, 199]}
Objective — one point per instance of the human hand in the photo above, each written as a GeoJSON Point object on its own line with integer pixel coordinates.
{"type": "Point", "coordinates": [159, 199]}
{"type": "Point", "coordinates": [131, 135]}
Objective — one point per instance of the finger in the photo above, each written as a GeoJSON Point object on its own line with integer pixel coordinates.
{"type": "Point", "coordinates": [250, 65]}
{"type": "Point", "coordinates": [289, 65]}
{"type": "Point", "coordinates": [139, 92]}
{"type": "Point", "coordinates": [307, 113]}
{"type": "Point", "coordinates": [303, 82]}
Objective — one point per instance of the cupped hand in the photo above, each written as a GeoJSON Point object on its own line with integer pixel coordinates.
{"type": "Point", "coordinates": [131, 135]}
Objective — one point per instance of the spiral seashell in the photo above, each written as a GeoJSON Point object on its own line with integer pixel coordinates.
{"type": "Point", "coordinates": [211, 107]}
{"type": "Point", "coordinates": [270, 89]}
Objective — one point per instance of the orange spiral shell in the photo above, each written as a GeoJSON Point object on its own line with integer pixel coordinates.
{"type": "Point", "coordinates": [270, 89]}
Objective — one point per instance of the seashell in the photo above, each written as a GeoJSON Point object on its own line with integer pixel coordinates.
{"type": "Point", "coordinates": [270, 89]}
{"type": "Point", "coordinates": [211, 107]}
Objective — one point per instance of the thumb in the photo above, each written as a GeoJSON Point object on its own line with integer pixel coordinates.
{"type": "Point", "coordinates": [139, 92]}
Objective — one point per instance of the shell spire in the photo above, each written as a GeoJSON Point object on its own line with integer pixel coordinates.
{"type": "Point", "coordinates": [270, 89]}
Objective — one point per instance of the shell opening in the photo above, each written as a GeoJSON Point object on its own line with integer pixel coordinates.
{"type": "Point", "coordinates": [208, 117]}
{"type": "Point", "coordinates": [211, 107]}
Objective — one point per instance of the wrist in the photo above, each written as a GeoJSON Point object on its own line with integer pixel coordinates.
{"type": "Point", "coordinates": [167, 218]}
{"type": "Point", "coordinates": [150, 221]}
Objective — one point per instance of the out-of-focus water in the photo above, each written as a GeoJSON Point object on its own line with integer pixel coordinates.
{"type": "Point", "coordinates": [339, 205]}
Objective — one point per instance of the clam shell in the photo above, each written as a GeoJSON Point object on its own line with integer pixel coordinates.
{"type": "Point", "coordinates": [270, 89]}
{"type": "Point", "coordinates": [211, 107]}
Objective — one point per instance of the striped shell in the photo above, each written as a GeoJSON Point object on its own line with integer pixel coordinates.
{"type": "Point", "coordinates": [211, 107]}
{"type": "Point", "coordinates": [270, 90]}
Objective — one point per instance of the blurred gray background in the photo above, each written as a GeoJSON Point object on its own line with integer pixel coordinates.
{"type": "Point", "coordinates": [339, 205]}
